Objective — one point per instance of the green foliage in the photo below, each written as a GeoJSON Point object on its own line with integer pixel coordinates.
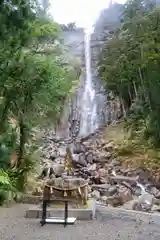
{"type": "Point", "coordinates": [33, 83]}
{"type": "Point", "coordinates": [130, 65]}
{"type": "Point", "coordinates": [6, 186]}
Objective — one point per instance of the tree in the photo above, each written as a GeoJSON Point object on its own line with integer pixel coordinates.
{"type": "Point", "coordinates": [129, 64]}
{"type": "Point", "coordinates": [33, 84]}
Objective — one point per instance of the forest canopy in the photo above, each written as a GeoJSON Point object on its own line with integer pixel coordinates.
{"type": "Point", "coordinates": [34, 82]}
{"type": "Point", "coordinates": [129, 64]}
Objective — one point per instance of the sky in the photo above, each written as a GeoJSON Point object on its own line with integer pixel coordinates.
{"type": "Point", "coordinates": [83, 12]}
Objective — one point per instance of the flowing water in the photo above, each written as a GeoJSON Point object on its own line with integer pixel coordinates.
{"type": "Point", "coordinates": [89, 119]}
{"type": "Point", "coordinates": [86, 110]}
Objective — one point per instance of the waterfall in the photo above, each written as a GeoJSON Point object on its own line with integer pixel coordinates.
{"type": "Point", "coordinates": [86, 110]}
{"type": "Point", "coordinates": [89, 121]}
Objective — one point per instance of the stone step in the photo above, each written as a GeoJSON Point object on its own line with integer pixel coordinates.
{"type": "Point", "coordinates": [79, 213]}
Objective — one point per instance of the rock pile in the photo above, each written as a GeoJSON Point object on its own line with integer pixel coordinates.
{"type": "Point", "coordinates": [94, 159]}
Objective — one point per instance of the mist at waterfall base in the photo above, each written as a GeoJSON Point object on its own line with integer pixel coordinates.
{"type": "Point", "coordinates": [89, 120]}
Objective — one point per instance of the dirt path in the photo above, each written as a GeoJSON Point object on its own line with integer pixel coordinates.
{"type": "Point", "coordinates": [13, 226]}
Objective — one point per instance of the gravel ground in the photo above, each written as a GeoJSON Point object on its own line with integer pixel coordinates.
{"type": "Point", "coordinates": [13, 226]}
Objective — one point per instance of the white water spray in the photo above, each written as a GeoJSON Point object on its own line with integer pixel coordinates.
{"type": "Point", "coordinates": [142, 187]}
{"type": "Point", "coordinates": [145, 197]}
{"type": "Point", "coordinates": [89, 107]}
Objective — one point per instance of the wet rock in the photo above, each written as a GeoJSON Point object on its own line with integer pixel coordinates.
{"type": "Point", "coordinates": [156, 180]}
{"type": "Point", "coordinates": [127, 185]}
{"type": "Point", "coordinates": [89, 189]}
{"type": "Point", "coordinates": [79, 148]}
{"type": "Point", "coordinates": [62, 151]}
{"type": "Point", "coordinates": [53, 157]}
{"type": "Point", "coordinates": [120, 178]}
{"type": "Point", "coordinates": [106, 155]}
{"type": "Point", "coordinates": [96, 194]}
{"type": "Point", "coordinates": [115, 162]}
{"type": "Point", "coordinates": [112, 190]}
{"type": "Point", "coordinates": [155, 208]}
{"type": "Point", "coordinates": [92, 167]}
{"type": "Point", "coordinates": [100, 160]}
{"type": "Point", "coordinates": [125, 194]}
{"type": "Point", "coordinates": [59, 160]}
{"type": "Point", "coordinates": [85, 170]}
{"type": "Point", "coordinates": [75, 157]}
{"type": "Point", "coordinates": [58, 169]}
{"type": "Point", "coordinates": [101, 186]}
{"type": "Point", "coordinates": [137, 191]}
{"type": "Point", "coordinates": [102, 157]}
{"type": "Point", "coordinates": [103, 175]}
{"type": "Point", "coordinates": [144, 176]}
{"type": "Point", "coordinates": [103, 199]}
{"type": "Point", "coordinates": [144, 203]}
{"type": "Point", "coordinates": [82, 161]}
{"type": "Point", "coordinates": [108, 146]}
{"type": "Point", "coordinates": [152, 190]}
{"type": "Point", "coordinates": [129, 205]}
{"type": "Point", "coordinates": [89, 158]}
{"type": "Point", "coordinates": [114, 201]}
{"type": "Point", "coordinates": [95, 160]}
{"type": "Point", "coordinates": [53, 153]}
{"type": "Point", "coordinates": [156, 201]}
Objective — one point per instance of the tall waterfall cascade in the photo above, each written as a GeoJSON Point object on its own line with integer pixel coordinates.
{"type": "Point", "coordinates": [89, 121]}
{"type": "Point", "coordinates": [88, 108]}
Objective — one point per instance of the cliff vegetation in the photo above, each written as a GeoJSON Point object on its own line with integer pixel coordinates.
{"type": "Point", "coordinates": [129, 64]}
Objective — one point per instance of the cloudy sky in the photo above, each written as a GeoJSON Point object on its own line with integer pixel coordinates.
{"type": "Point", "coordinates": [83, 12]}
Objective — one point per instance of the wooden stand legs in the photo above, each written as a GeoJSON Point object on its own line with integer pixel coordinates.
{"type": "Point", "coordinates": [46, 200]}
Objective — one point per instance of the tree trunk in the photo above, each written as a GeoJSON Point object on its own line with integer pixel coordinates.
{"type": "Point", "coordinates": [135, 89]}
{"type": "Point", "coordinates": [4, 116]}
{"type": "Point", "coordinates": [22, 141]}
{"type": "Point", "coordinates": [130, 95]}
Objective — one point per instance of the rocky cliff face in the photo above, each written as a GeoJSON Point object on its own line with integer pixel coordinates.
{"type": "Point", "coordinates": [108, 20]}
{"type": "Point", "coordinates": [107, 110]}
{"type": "Point", "coordinates": [74, 49]}
{"type": "Point", "coordinates": [74, 43]}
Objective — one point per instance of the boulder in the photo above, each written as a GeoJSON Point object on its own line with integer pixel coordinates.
{"type": "Point", "coordinates": [115, 163]}
{"type": "Point", "coordinates": [89, 157]}
{"type": "Point", "coordinates": [102, 157]}
{"type": "Point", "coordinates": [112, 190]}
{"type": "Point", "coordinates": [62, 151]}
{"type": "Point", "coordinates": [82, 160]}
{"type": "Point", "coordinates": [92, 167]}
{"type": "Point", "coordinates": [144, 203]}
{"type": "Point", "coordinates": [96, 194]}
{"type": "Point", "coordinates": [58, 169]}
{"type": "Point", "coordinates": [103, 175]}
{"type": "Point", "coordinates": [125, 194]}
{"type": "Point", "coordinates": [114, 201]}
{"type": "Point", "coordinates": [120, 178]}
{"type": "Point", "coordinates": [75, 157]}
{"type": "Point", "coordinates": [79, 148]}
{"type": "Point", "coordinates": [152, 190]}
{"type": "Point", "coordinates": [109, 146]}
{"type": "Point", "coordinates": [59, 160]}
{"type": "Point", "coordinates": [105, 186]}
{"type": "Point", "coordinates": [103, 199]}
